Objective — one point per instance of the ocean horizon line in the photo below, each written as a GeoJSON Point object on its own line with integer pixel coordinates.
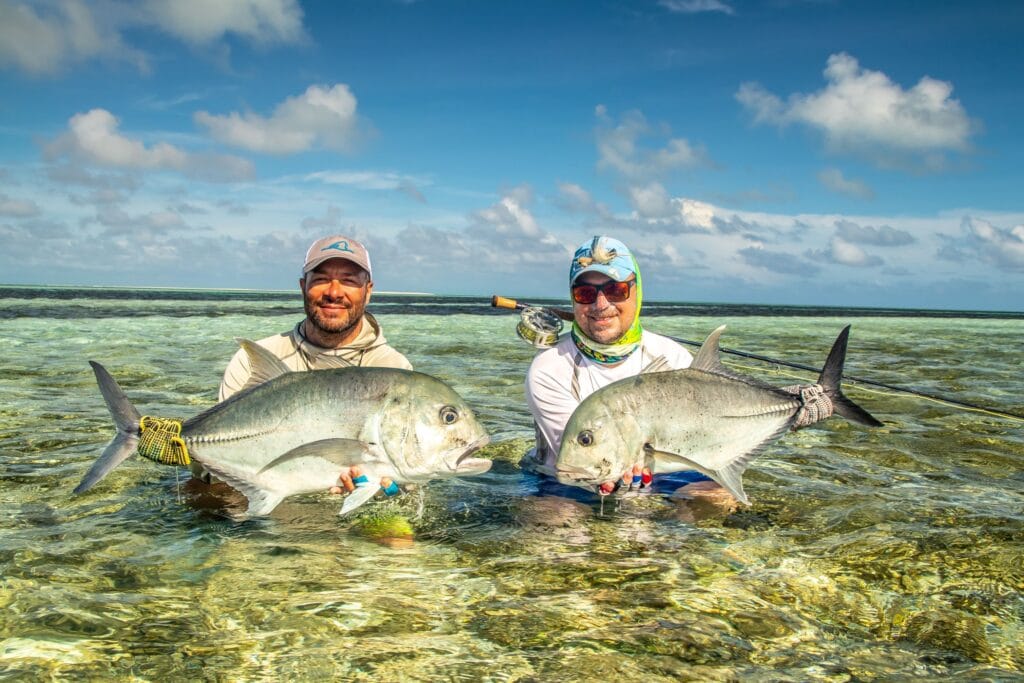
{"type": "Point", "coordinates": [546, 300]}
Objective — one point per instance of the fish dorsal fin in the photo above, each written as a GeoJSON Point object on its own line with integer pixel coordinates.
{"type": "Point", "coordinates": [342, 452]}
{"type": "Point", "coordinates": [359, 496]}
{"type": "Point", "coordinates": [264, 366]}
{"type": "Point", "coordinates": [707, 358]}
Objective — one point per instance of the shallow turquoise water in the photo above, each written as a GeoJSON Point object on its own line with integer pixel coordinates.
{"type": "Point", "coordinates": [893, 553]}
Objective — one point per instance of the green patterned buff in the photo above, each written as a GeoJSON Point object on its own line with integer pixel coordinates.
{"type": "Point", "coordinates": [625, 345]}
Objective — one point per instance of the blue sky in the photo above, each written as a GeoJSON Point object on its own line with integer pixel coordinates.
{"type": "Point", "coordinates": [786, 152]}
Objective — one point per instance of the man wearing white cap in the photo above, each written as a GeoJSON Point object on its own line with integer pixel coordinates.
{"type": "Point", "coordinates": [606, 344]}
{"type": "Point", "coordinates": [336, 285]}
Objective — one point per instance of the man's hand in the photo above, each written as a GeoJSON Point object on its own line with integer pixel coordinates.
{"type": "Point", "coordinates": [352, 477]}
{"type": "Point", "coordinates": [638, 477]}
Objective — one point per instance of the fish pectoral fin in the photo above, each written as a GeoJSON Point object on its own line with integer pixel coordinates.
{"type": "Point", "coordinates": [730, 476]}
{"type": "Point", "coordinates": [264, 366]}
{"type": "Point", "coordinates": [343, 452]}
{"type": "Point", "coordinates": [674, 458]}
{"type": "Point", "coordinates": [261, 501]}
{"type": "Point", "coordinates": [362, 494]}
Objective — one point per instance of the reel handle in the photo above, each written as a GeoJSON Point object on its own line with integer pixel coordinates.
{"type": "Point", "coordinates": [512, 304]}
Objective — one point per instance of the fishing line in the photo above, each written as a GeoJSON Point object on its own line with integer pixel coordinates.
{"type": "Point", "coordinates": [858, 385]}
{"type": "Point", "coordinates": [502, 302]}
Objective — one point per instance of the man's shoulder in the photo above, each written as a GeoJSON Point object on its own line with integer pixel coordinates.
{"type": "Point", "coordinates": [660, 345]}
{"type": "Point", "coordinates": [281, 345]}
{"type": "Point", "coordinates": [553, 360]}
{"type": "Point", "coordinates": [387, 356]}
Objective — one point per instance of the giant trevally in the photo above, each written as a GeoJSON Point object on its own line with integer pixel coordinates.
{"type": "Point", "coordinates": [705, 418]}
{"type": "Point", "coordinates": [294, 432]}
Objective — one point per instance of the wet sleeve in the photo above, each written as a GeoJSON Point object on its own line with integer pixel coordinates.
{"type": "Point", "coordinates": [550, 401]}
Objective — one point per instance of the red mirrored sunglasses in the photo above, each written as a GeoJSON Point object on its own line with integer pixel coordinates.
{"type": "Point", "coordinates": [614, 291]}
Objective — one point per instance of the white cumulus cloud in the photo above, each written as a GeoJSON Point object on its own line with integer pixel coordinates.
{"type": "Point", "coordinates": [981, 240]}
{"type": "Point", "coordinates": [323, 115]}
{"type": "Point", "coordinates": [650, 201]}
{"type": "Point", "coordinates": [864, 112]}
{"type": "Point", "coordinates": [201, 21]}
{"type": "Point", "coordinates": [847, 254]}
{"type": "Point", "coordinates": [93, 137]}
{"type": "Point", "coordinates": [44, 36]}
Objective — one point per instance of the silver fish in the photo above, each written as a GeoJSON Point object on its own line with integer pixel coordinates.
{"type": "Point", "coordinates": [705, 418]}
{"type": "Point", "coordinates": [294, 432]}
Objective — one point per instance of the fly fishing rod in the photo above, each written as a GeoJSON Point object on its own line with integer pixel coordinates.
{"type": "Point", "coordinates": [547, 330]}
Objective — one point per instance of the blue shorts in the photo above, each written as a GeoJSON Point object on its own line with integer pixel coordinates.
{"type": "Point", "coordinates": [662, 484]}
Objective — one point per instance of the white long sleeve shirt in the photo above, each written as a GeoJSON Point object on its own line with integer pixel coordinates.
{"type": "Point", "coordinates": [549, 381]}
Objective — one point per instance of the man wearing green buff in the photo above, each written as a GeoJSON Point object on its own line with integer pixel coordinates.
{"type": "Point", "coordinates": [607, 343]}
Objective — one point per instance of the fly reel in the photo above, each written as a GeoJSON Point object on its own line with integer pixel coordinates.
{"type": "Point", "coordinates": [539, 327]}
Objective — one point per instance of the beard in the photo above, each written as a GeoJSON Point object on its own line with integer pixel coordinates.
{"type": "Point", "coordinates": [340, 323]}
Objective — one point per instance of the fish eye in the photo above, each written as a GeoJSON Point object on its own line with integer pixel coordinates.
{"type": "Point", "coordinates": [585, 438]}
{"type": "Point", "coordinates": [449, 415]}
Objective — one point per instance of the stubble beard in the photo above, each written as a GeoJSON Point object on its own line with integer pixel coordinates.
{"type": "Point", "coordinates": [334, 326]}
{"type": "Point", "coordinates": [608, 335]}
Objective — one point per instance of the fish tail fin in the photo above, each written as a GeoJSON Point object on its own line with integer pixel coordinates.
{"type": "Point", "coordinates": [831, 380]}
{"type": "Point", "coordinates": [126, 419]}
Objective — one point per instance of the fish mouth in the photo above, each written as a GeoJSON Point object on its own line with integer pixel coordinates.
{"type": "Point", "coordinates": [467, 465]}
{"type": "Point", "coordinates": [577, 476]}
{"type": "Point", "coordinates": [573, 472]}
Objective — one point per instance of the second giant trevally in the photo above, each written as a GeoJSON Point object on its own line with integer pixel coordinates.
{"type": "Point", "coordinates": [294, 432]}
{"type": "Point", "coordinates": [705, 418]}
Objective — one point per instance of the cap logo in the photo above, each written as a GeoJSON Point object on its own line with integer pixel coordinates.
{"type": "Point", "coordinates": [340, 245]}
{"type": "Point", "coordinates": [600, 252]}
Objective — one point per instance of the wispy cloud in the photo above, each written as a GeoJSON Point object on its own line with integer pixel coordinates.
{"type": "Point", "coordinates": [777, 261]}
{"type": "Point", "coordinates": [329, 222]}
{"type": "Point", "coordinates": [882, 236]}
{"type": "Point", "coordinates": [833, 179]}
{"type": "Point", "coordinates": [369, 180]}
{"type": "Point", "coordinates": [696, 6]}
{"type": "Point", "coordinates": [863, 112]}
{"type": "Point", "coordinates": [620, 149]}
{"type": "Point", "coordinates": [321, 116]}
{"type": "Point", "coordinates": [17, 208]}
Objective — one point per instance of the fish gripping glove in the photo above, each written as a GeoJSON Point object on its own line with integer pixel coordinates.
{"type": "Point", "coordinates": [817, 406]}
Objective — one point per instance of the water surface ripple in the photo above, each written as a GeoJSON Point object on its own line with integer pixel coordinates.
{"type": "Point", "coordinates": [888, 554]}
